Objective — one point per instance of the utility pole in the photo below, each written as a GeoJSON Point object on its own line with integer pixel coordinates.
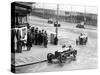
{"type": "Point", "coordinates": [85, 15]}
{"type": "Point", "coordinates": [57, 20]}
{"type": "Point", "coordinates": [56, 24]}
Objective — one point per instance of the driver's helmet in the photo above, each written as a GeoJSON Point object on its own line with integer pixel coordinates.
{"type": "Point", "coordinates": [70, 46]}
{"type": "Point", "coordinates": [63, 46]}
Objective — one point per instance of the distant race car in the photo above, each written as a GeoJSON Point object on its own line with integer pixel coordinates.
{"type": "Point", "coordinates": [82, 39]}
{"type": "Point", "coordinates": [56, 23]}
{"type": "Point", "coordinates": [63, 54]}
{"type": "Point", "coordinates": [80, 25]}
{"type": "Point", "coordinates": [50, 21]}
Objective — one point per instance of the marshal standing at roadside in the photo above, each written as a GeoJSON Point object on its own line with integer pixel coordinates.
{"type": "Point", "coordinates": [45, 39]}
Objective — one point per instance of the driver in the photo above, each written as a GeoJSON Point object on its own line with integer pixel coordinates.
{"type": "Point", "coordinates": [65, 48]}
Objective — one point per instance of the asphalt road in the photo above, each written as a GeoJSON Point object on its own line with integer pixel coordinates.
{"type": "Point", "coordinates": [86, 57]}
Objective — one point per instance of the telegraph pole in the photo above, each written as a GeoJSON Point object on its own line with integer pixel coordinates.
{"type": "Point", "coordinates": [57, 20]}
{"type": "Point", "coordinates": [85, 15]}
{"type": "Point", "coordinates": [56, 25]}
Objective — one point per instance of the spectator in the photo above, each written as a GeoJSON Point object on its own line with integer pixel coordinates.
{"type": "Point", "coordinates": [29, 40]}
{"type": "Point", "coordinates": [45, 38]}
{"type": "Point", "coordinates": [40, 38]}
{"type": "Point", "coordinates": [36, 36]}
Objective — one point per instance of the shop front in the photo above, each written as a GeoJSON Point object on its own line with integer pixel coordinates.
{"type": "Point", "coordinates": [19, 26]}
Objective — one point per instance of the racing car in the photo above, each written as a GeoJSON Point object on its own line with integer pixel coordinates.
{"type": "Point", "coordinates": [50, 21]}
{"type": "Point", "coordinates": [82, 39]}
{"type": "Point", "coordinates": [63, 54]}
{"type": "Point", "coordinates": [80, 25]}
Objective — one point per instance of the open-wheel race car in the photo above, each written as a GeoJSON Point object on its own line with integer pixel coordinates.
{"type": "Point", "coordinates": [63, 54]}
{"type": "Point", "coordinates": [82, 39]}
